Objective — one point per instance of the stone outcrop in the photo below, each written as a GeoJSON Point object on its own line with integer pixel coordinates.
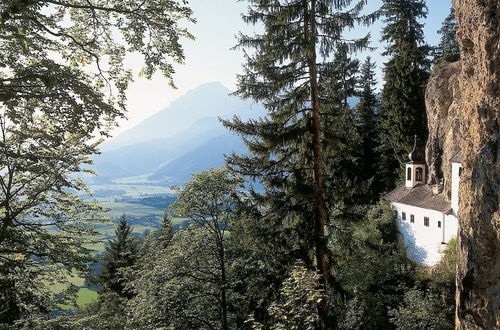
{"type": "Point", "coordinates": [443, 118]}
{"type": "Point", "coordinates": [463, 101]}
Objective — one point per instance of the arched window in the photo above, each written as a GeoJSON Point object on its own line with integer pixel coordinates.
{"type": "Point", "coordinates": [419, 173]}
{"type": "Point", "coordinates": [408, 175]}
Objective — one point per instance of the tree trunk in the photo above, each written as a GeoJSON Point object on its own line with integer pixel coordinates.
{"type": "Point", "coordinates": [222, 261]}
{"type": "Point", "coordinates": [319, 225]}
{"type": "Point", "coordinates": [478, 265]}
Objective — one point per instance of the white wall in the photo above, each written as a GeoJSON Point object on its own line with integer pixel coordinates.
{"type": "Point", "coordinates": [424, 244]}
{"type": "Point", "coordinates": [451, 227]}
{"type": "Point", "coordinates": [455, 184]}
{"type": "Point", "coordinates": [413, 180]}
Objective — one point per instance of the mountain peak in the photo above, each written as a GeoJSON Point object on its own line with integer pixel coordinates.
{"type": "Point", "coordinates": [213, 85]}
{"type": "Point", "coordinates": [209, 100]}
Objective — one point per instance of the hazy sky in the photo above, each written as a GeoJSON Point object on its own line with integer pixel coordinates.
{"type": "Point", "coordinates": [210, 58]}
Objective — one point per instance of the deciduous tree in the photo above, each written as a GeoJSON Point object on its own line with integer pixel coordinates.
{"type": "Point", "coordinates": [62, 85]}
{"type": "Point", "coordinates": [193, 279]}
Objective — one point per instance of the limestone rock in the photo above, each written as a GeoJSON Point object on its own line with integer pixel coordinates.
{"type": "Point", "coordinates": [443, 119]}
{"type": "Point", "coordinates": [478, 107]}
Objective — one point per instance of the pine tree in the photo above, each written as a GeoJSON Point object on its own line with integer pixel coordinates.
{"type": "Point", "coordinates": [448, 49]}
{"type": "Point", "coordinates": [120, 253]}
{"type": "Point", "coordinates": [366, 116]}
{"type": "Point", "coordinates": [286, 145]}
{"type": "Point", "coordinates": [403, 105]}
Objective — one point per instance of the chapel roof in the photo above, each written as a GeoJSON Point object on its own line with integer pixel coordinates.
{"type": "Point", "coordinates": [457, 157]}
{"type": "Point", "coordinates": [420, 196]}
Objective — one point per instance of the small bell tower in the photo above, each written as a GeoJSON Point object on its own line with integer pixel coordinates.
{"type": "Point", "coordinates": [415, 168]}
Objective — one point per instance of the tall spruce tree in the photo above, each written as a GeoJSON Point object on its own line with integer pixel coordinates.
{"type": "Point", "coordinates": [366, 117]}
{"type": "Point", "coordinates": [448, 49]}
{"type": "Point", "coordinates": [342, 142]}
{"type": "Point", "coordinates": [403, 106]}
{"type": "Point", "coordinates": [120, 253]}
{"type": "Point", "coordinates": [282, 73]}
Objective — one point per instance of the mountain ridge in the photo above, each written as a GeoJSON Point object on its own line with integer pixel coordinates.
{"type": "Point", "coordinates": [163, 142]}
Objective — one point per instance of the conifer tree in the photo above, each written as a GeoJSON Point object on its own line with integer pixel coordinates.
{"type": "Point", "coordinates": [282, 72]}
{"type": "Point", "coordinates": [366, 116]}
{"type": "Point", "coordinates": [120, 254]}
{"type": "Point", "coordinates": [448, 49]}
{"type": "Point", "coordinates": [403, 106]}
{"type": "Point", "coordinates": [342, 142]}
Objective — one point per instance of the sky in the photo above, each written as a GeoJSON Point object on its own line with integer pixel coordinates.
{"type": "Point", "coordinates": [210, 57]}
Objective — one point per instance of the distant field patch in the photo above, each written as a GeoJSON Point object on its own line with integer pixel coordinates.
{"type": "Point", "coordinates": [143, 218]}
{"type": "Point", "coordinates": [129, 190]}
{"type": "Point", "coordinates": [86, 296]}
{"type": "Point", "coordinates": [117, 209]}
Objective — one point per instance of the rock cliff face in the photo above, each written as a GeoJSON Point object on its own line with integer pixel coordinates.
{"type": "Point", "coordinates": [443, 118]}
{"type": "Point", "coordinates": [463, 101]}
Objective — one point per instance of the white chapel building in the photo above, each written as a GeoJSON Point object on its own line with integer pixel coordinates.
{"type": "Point", "coordinates": [426, 218]}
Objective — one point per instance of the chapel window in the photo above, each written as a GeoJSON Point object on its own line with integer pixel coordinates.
{"type": "Point", "coordinates": [419, 174]}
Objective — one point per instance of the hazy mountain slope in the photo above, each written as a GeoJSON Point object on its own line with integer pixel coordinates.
{"type": "Point", "coordinates": [186, 137]}
{"type": "Point", "coordinates": [208, 155]}
{"type": "Point", "coordinates": [208, 100]}
{"type": "Point", "coordinates": [145, 157]}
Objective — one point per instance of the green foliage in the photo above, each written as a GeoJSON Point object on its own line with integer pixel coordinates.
{"type": "Point", "coordinates": [296, 307]}
{"type": "Point", "coordinates": [263, 247]}
{"type": "Point", "coordinates": [188, 282]}
{"type": "Point", "coordinates": [445, 271]}
{"type": "Point", "coordinates": [345, 182]}
{"type": "Point", "coordinates": [371, 270]}
{"type": "Point", "coordinates": [403, 106]}
{"type": "Point", "coordinates": [62, 86]}
{"type": "Point", "coordinates": [106, 313]}
{"type": "Point", "coordinates": [121, 253]}
{"type": "Point", "coordinates": [421, 310]}
{"type": "Point", "coordinates": [366, 120]}
{"type": "Point", "coordinates": [382, 288]}
{"type": "Point", "coordinates": [288, 146]}
{"type": "Point", "coordinates": [448, 49]}
{"type": "Point", "coordinates": [147, 279]}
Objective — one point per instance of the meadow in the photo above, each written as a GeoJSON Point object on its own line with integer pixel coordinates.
{"type": "Point", "coordinates": [143, 218]}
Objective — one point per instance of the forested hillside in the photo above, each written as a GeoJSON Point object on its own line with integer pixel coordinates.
{"type": "Point", "coordinates": [291, 229]}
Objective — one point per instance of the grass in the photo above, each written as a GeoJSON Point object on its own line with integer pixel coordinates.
{"type": "Point", "coordinates": [132, 190]}
{"type": "Point", "coordinates": [86, 296]}
{"type": "Point", "coordinates": [141, 217]}
{"type": "Point", "coordinates": [117, 209]}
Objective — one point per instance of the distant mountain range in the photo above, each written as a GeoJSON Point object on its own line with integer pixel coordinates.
{"type": "Point", "coordinates": [184, 138]}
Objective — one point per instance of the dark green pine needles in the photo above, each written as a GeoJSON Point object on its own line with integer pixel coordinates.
{"type": "Point", "coordinates": [287, 147]}
{"type": "Point", "coordinates": [121, 253]}
{"type": "Point", "coordinates": [403, 105]}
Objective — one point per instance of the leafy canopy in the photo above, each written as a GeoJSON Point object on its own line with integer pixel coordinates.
{"type": "Point", "coordinates": [62, 86]}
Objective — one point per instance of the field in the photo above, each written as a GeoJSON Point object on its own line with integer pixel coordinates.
{"type": "Point", "coordinates": [143, 218]}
